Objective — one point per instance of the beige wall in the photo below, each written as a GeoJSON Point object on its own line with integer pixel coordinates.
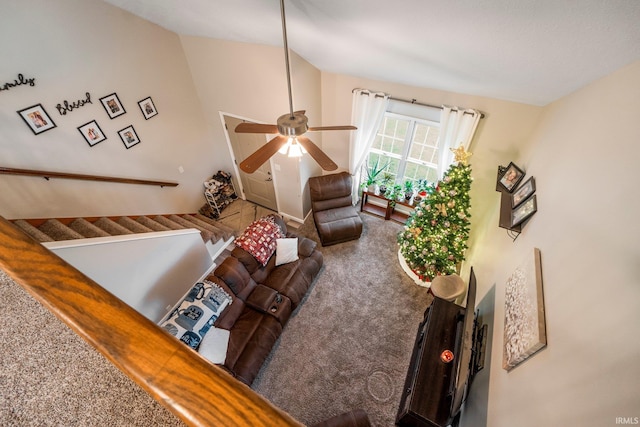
{"type": "Point", "coordinates": [75, 46]}
{"type": "Point", "coordinates": [583, 155]}
{"type": "Point", "coordinates": [249, 81]}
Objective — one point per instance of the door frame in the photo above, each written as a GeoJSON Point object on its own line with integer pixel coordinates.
{"type": "Point", "coordinates": [234, 161]}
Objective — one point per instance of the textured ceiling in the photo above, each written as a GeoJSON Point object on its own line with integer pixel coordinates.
{"type": "Point", "coordinates": [530, 51]}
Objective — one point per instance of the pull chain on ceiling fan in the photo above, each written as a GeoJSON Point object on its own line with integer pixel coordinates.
{"type": "Point", "coordinates": [290, 127]}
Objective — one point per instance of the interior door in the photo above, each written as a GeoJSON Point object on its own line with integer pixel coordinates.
{"type": "Point", "coordinates": [258, 186]}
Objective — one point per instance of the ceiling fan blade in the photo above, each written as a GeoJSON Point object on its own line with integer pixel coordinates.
{"type": "Point", "coordinates": [319, 128]}
{"type": "Point", "coordinates": [262, 154]}
{"type": "Point", "coordinates": [318, 155]}
{"type": "Point", "coordinates": [300, 112]}
{"type": "Point", "coordinates": [256, 128]}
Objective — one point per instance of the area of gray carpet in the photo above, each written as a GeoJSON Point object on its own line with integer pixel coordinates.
{"type": "Point", "coordinates": [348, 345]}
{"type": "Point", "coordinates": [50, 377]}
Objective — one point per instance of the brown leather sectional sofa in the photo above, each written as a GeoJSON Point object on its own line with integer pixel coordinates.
{"type": "Point", "coordinates": [263, 299]}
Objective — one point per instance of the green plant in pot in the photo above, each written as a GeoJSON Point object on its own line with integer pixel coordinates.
{"type": "Point", "coordinates": [408, 189]}
{"type": "Point", "coordinates": [422, 186]}
{"type": "Point", "coordinates": [372, 176]}
{"type": "Point", "coordinates": [385, 183]}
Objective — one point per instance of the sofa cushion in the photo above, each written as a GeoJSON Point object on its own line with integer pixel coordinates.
{"type": "Point", "coordinates": [259, 238]}
{"type": "Point", "coordinates": [214, 345]}
{"type": "Point", "coordinates": [286, 250]}
{"type": "Point", "coordinates": [234, 274]}
{"type": "Point", "coordinates": [197, 313]}
{"type": "Point", "coordinates": [252, 338]}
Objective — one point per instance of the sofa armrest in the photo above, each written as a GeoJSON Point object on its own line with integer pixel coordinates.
{"type": "Point", "coordinates": [269, 301]}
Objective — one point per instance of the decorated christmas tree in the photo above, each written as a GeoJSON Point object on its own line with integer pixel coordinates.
{"type": "Point", "coordinates": [435, 235]}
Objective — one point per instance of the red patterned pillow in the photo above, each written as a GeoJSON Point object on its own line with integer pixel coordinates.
{"type": "Point", "coordinates": [259, 239]}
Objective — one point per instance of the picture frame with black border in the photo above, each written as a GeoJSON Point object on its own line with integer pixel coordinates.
{"type": "Point", "coordinates": [92, 133]}
{"type": "Point", "coordinates": [511, 177]}
{"type": "Point", "coordinates": [129, 136]}
{"type": "Point", "coordinates": [148, 108]}
{"type": "Point", "coordinates": [112, 105]}
{"type": "Point", "coordinates": [524, 211]}
{"type": "Point", "coordinates": [37, 119]}
{"type": "Point", "coordinates": [523, 192]}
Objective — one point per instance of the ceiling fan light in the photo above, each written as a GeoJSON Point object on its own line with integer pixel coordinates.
{"type": "Point", "coordinates": [295, 149]}
{"type": "Point", "coordinates": [285, 148]}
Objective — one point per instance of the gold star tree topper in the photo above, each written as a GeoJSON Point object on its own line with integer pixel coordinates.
{"type": "Point", "coordinates": [461, 155]}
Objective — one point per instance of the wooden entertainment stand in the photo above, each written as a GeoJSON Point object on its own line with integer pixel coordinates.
{"type": "Point", "coordinates": [448, 351]}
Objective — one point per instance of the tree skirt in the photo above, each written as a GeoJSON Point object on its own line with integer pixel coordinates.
{"type": "Point", "coordinates": [410, 273]}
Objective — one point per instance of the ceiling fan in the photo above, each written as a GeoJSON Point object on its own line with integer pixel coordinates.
{"type": "Point", "coordinates": [290, 128]}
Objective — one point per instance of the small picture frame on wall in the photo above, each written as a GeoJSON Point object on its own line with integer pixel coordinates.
{"type": "Point", "coordinates": [37, 119]}
{"type": "Point", "coordinates": [522, 193]}
{"type": "Point", "coordinates": [511, 177]}
{"type": "Point", "coordinates": [148, 108]}
{"type": "Point", "coordinates": [112, 105]}
{"type": "Point", "coordinates": [129, 136]}
{"type": "Point", "coordinates": [524, 211]}
{"type": "Point", "coordinates": [92, 133]}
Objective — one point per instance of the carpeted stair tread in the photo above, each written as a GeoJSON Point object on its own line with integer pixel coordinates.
{"type": "Point", "coordinates": [86, 228]}
{"type": "Point", "coordinates": [132, 225]}
{"type": "Point", "coordinates": [224, 232]}
{"type": "Point", "coordinates": [153, 225]}
{"type": "Point", "coordinates": [203, 226]}
{"type": "Point", "coordinates": [229, 231]}
{"type": "Point", "coordinates": [32, 231]}
{"type": "Point", "coordinates": [111, 227]}
{"type": "Point", "coordinates": [58, 231]}
{"type": "Point", "coordinates": [207, 235]}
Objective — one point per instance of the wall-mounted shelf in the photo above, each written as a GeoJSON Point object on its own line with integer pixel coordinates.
{"type": "Point", "coordinates": [517, 204]}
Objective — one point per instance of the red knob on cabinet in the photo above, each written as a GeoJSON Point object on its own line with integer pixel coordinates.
{"type": "Point", "coordinates": [447, 356]}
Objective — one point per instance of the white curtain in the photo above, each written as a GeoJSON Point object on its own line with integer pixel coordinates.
{"type": "Point", "coordinates": [366, 114]}
{"type": "Point", "coordinates": [457, 128]}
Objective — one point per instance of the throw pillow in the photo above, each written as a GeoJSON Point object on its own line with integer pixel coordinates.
{"type": "Point", "coordinates": [214, 345]}
{"type": "Point", "coordinates": [287, 250]}
{"type": "Point", "coordinates": [197, 312]}
{"type": "Point", "coordinates": [259, 239]}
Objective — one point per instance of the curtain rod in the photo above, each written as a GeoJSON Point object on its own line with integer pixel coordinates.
{"type": "Point", "coordinates": [415, 102]}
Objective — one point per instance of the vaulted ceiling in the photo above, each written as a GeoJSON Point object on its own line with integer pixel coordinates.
{"type": "Point", "coordinates": [530, 51]}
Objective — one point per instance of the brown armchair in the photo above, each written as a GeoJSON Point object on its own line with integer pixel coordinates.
{"type": "Point", "coordinates": [335, 217]}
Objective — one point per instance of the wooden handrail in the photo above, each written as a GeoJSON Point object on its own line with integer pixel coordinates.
{"type": "Point", "coordinates": [198, 392]}
{"type": "Point", "coordinates": [48, 174]}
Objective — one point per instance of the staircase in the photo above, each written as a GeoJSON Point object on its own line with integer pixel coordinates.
{"type": "Point", "coordinates": [216, 235]}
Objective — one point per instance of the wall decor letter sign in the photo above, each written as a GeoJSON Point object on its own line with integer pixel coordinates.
{"type": "Point", "coordinates": [18, 82]}
{"type": "Point", "coordinates": [64, 109]}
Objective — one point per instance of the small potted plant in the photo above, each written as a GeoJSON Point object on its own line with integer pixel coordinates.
{"type": "Point", "coordinates": [372, 176]}
{"type": "Point", "coordinates": [408, 189]}
{"type": "Point", "coordinates": [387, 180]}
{"type": "Point", "coordinates": [422, 186]}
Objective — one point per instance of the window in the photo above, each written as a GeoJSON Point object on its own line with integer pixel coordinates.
{"type": "Point", "coordinates": [409, 146]}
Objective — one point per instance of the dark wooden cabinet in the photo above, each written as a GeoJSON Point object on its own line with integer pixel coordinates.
{"type": "Point", "coordinates": [448, 352]}
{"type": "Point", "coordinates": [429, 388]}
